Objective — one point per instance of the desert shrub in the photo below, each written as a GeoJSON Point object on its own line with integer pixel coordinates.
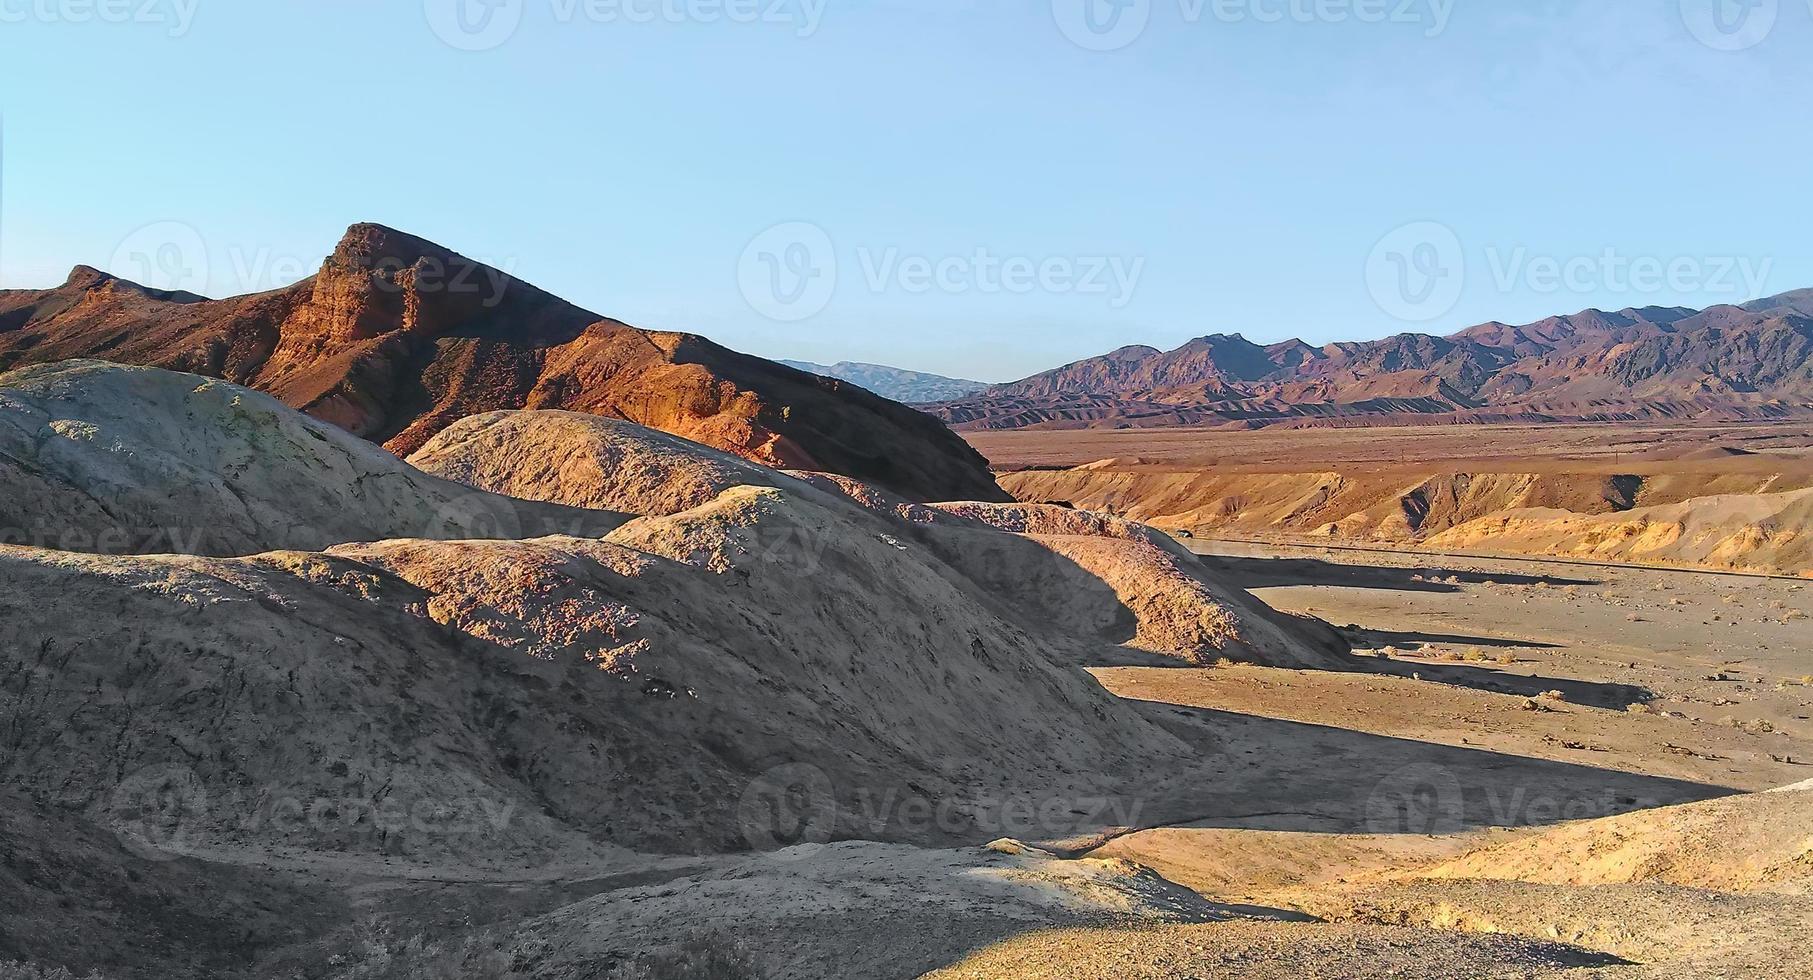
{"type": "Point", "coordinates": [707, 956]}
{"type": "Point", "coordinates": [1507, 659]}
{"type": "Point", "coordinates": [1553, 696]}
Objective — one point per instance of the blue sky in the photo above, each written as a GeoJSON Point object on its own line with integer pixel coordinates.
{"type": "Point", "coordinates": [978, 189]}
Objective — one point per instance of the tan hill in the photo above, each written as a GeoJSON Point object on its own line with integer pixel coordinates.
{"type": "Point", "coordinates": [1714, 889]}
{"type": "Point", "coordinates": [1764, 532]}
{"type": "Point", "coordinates": [395, 338]}
{"type": "Point", "coordinates": [586, 461]}
{"type": "Point", "coordinates": [97, 457]}
{"type": "Point", "coordinates": [1728, 497]}
{"type": "Point", "coordinates": [1756, 842]}
{"type": "Point", "coordinates": [1726, 362]}
{"type": "Point", "coordinates": [1755, 520]}
{"type": "Point", "coordinates": [629, 690]}
{"type": "Point", "coordinates": [1097, 578]}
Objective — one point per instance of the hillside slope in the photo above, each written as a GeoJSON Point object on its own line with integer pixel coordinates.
{"type": "Point", "coordinates": [396, 338]}
{"type": "Point", "coordinates": [96, 457]}
{"type": "Point", "coordinates": [1099, 582]}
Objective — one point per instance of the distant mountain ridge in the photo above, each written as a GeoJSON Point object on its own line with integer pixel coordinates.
{"type": "Point", "coordinates": [899, 384]}
{"type": "Point", "coordinates": [1726, 362]}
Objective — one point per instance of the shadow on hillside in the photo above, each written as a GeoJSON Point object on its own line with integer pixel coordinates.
{"type": "Point", "coordinates": [1372, 639]}
{"type": "Point", "coordinates": [1482, 678]}
{"type": "Point", "coordinates": [1262, 573]}
{"type": "Point", "coordinates": [1271, 774]}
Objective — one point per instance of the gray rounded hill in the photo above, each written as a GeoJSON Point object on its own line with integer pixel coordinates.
{"type": "Point", "coordinates": [99, 457]}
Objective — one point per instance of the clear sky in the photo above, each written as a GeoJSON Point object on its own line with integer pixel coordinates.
{"type": "Point", "coordinates": [982, 189]}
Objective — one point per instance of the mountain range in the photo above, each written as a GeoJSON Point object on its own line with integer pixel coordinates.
{"type": "Point", "coordinates": [396, 338]}
{"type": "Point", "coordinates": [1726, 362]}
{"type": "Point", "coordinates": [899, 384]}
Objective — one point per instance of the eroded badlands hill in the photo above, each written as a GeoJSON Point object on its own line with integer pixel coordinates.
{"type": "Point", "coordinates": [632, 689]}
{"type": "Point", "coordinates": [396, 338]}
{"type": "Point", "coordinates": [97, 457]}
{"type": "Point", "coordinates": [1055, 570]}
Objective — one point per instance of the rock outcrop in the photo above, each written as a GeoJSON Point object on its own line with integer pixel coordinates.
{"type": "Point", "coordinates": [396, 338]}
